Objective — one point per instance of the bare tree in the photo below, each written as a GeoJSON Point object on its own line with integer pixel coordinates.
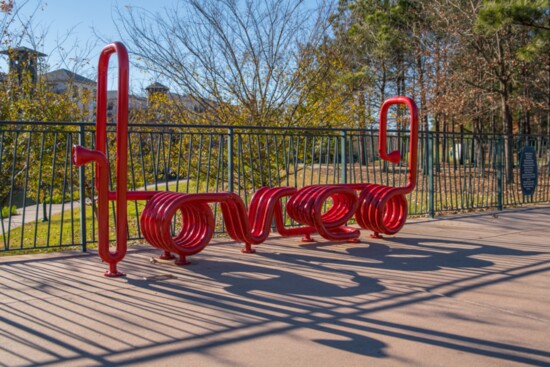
{"type": "Point", "coordinates": [486, 66]}
{"type": "Point", "coordinates": [18, 23]}
{"type": "Point", "coordinates": [241, 58]}
{"type": "Point", "coordinates": [74, 54]}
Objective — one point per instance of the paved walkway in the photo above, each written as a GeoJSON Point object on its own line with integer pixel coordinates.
{"type": "Point", "coordinates": [29, 214]}
{"type": "Point", "coordinates": [468, 290]}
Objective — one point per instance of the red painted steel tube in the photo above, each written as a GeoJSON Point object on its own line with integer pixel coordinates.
{"type": "Point", "coordinates": [395, 156]}
{"type": "Point", "coordinates": [135, 195]}
{"type": "Point", "coordinates": [121, 141]}
{"type": "Point", "coordinates": [197, 221]}
{"type": "Point", "coordinates": [384, 209]}
{"type": "Point", "coordinates": [306, 207]}
{"type": "Point", "coordinates": [277, 213]}
{"type": "Point", "coordinates": [254, 227]}
{"type": "Point", "coordinates": [380, 208]}
{"type": "Point", "coordinates": [196, 227]}
{"type": "Point", "coordinates": [82, 156]}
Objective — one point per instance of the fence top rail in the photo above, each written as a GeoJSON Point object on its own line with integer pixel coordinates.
{"type": "Point", "coordinates": [238, 128]}
{"type": "Point", "coordinates": [186, 126]}
{"type": "Point", "coordinates": [181, 126]}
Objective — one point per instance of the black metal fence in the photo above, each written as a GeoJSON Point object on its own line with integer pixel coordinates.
{"type": "Point", "coordinates": [55, 202]}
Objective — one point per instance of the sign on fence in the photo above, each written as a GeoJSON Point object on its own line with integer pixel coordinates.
{"type": "Point", "coordinates": [528, 170]}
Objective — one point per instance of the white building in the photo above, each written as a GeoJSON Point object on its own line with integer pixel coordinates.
{"type": "Point", "coordinates": [81, 89]}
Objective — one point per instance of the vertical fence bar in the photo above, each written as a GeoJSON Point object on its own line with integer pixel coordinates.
{"type": "Point", "coordinates": [82, 190]}
{"type": "Point", "coordinates": [230, 175]}
{"type": "Point", "coordinates": [343, 157]}
{"type": "Point", "coordinates": [12, 185]}
{"type": "Point", "coordinates": [500, 191]}
{"type": "Point", "coordinates": [430, 161]}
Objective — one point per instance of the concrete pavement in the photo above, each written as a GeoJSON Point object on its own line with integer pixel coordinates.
{"type": "Point", "coordinates": [471, 290]}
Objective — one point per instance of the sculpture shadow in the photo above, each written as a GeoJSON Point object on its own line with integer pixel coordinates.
{"type": "Point", "coordinates": [422, 255]}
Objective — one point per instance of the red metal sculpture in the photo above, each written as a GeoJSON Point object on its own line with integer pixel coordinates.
{"type": "Point", "coordinates": [306, 207]}
{"type": "Point", "coordinates": [197, 220]}
{"type": "Point", "coordinates": [384, 209]}
{"type": "Point", "coordinates": [82, 156]}
{"type": "Point", "coordinates": [379, 208]}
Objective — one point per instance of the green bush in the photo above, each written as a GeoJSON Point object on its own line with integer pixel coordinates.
{"type": "Point", "coordinates": [7, 212]}
{"type": "Point", "coordinates": [60, 199]}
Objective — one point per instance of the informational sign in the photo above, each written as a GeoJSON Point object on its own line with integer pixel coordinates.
{"type": "Point", "coordinates": [528, 170]}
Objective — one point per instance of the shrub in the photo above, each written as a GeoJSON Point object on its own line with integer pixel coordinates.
{"type": "Point", "coordinates": [7, 212]}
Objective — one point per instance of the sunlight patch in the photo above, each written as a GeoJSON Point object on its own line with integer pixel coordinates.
{"type": "Point", "coordinates": [247, 275]}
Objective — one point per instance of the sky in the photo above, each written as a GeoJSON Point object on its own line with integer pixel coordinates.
{"type": "Point", "coordinates": [84, 17]}
{"type": "Point", "coordinates": [83, 20]}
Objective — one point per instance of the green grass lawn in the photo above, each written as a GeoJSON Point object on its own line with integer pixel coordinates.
{"type": "Point", "coordinates": [60, 230]}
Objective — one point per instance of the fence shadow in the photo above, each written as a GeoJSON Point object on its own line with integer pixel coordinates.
{"type": "Point", "coordinates": [334, 296]}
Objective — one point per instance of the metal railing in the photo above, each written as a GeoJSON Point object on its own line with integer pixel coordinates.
{"type": "Point", "coordinates": [55, 200]}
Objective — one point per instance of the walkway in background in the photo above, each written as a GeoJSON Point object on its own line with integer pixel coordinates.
{"type": "Point", "coordinates": [467, 290]}
{"type": "Point", "coordinates": [32, 213]}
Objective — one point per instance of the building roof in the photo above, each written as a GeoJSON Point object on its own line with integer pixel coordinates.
{"type": "Point", "coordinates": [190, 99]}
{"type": "Point", "coordinates": [64, 75]}
{"type": "Point", "coordinates": [22, 50]}
{"type": "Point", "coordinates": [156, 86]}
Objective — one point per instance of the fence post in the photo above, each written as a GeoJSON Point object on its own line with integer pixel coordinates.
{"type": "Point", "coordinates": [82, 190]}
{"type": "Point", "coordinates": [500, 182]}
{"type": "Point", "coordinates": [431, 189]}
{"type": "Point", "coordinates": [343, 157]}
{"type": "Point", "coordinates": [230, 174]}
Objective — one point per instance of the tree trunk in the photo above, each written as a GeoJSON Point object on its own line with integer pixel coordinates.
{"type": "Point", "coordinates": [383, 84]}
{"type": "Point", "coordinates": [445, 140]}
{"type": "Point", "coordinates": [362, 123]}
{"type": "Point", "coordinates": [421, 82]}
{"type": "Point", "coordinates": [527, 123]}
{"type": "Point", "coordinates": [437, 137]}
{"type": "Point", "coordinates": [508, 138]}
{"type": "Point", "coordinates": [361, 116]}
